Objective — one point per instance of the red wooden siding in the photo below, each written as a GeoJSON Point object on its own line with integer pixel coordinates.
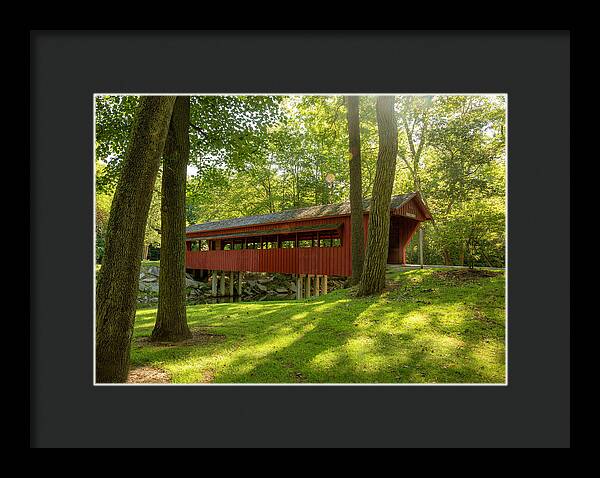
{"type": "Point", "coordinates": [334, 261]}
{"type": "Point", "coordinates": [412, 210]}
{"type": "Point", "coordinates": [301, 260]}
{"type": "Point", "coordinates": [298, 260]}
{"type": "Point", "coordinates": [394, 248]}
{"type": "Point", "coordinates": [401, 231]}
{"type": "Point", "coordinates": [407, 227]}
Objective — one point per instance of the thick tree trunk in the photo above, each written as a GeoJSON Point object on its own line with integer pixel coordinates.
{"type": "Point", "coordinates": [171, 322]}
{"type": "Point", "coordinates": [356, 199]}
{"type": "Point", "coordinates": [117, 287]}
{"type": "Point", "coordinates": [373, 277]}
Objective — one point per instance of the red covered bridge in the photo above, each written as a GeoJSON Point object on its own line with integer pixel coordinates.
{"type": "Point", "coordinates": [312, 241]}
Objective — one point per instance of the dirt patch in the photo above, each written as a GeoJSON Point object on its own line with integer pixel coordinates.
{"type": "Point", "coordinates": [464, 275]}
{"type": "Point", "coordinates": [207, 376]}
{"type": "Point", "coordinates": [199, 337]}
{"type": "Point", "coordinates": [148, 374]}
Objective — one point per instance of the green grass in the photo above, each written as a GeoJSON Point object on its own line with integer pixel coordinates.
{"type": "Point", "coordinates": [425, 329]}
{"type": "Point", "coordinates": [146, 264]}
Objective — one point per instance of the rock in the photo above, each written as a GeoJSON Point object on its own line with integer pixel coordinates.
{"type": "Point", "coordinates": [191, 283]}
{"type": "Point", "coordinates": [281, 290]}
{"type": "Point", "coordinates": [148, 286]}
{"type": "Point", "coordinates": [262, 287]}
{"type": "Point", "coordinates": [293, 287]}
{"type": "Point", "coordinates": [150, 279]}
{"type": "Point", "coordinates": [153, 270]}
{"type": "Point", "coordinates": [189, 276]}
{"type": "Point", "coordinates": [264, 281]}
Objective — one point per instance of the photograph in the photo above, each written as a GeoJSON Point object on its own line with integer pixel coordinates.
{"type": "Point", "coordinates": [300, 239]}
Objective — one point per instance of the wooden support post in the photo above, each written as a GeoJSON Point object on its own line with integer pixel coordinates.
{"type": "Point", "coordinates": [308, 276]}
{"type": "Point", "coordinates": [324, 285]}
{"type": "Point", "coordinates": [317, 285]}
{"type": "Point", "coordinates": [231, 275]}
{"type": "Point", "coordinates": [214, 283]}
{"type": "Point", "coordinates": [222, 288]}
{"type": "Point", "coordinates": [421, 246]}
{"type": "Point", "coordinates": [299, 286]}
{"type": "Point", "coordinates": [240, 284]}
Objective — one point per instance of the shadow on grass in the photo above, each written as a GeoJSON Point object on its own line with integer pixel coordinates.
{"type": "Point", "coordinates": [421, 331]}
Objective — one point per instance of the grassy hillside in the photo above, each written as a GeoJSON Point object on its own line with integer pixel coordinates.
{"type": "Point", "coordinates": [430, 326]}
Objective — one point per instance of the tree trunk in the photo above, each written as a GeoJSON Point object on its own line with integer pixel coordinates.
{"type": "Point", "coordinates": [356, 199]}
{"type": "Point", "coordinates": [117, 287]}
{"type": "Point", "coordinates": [373, 277]}
{"type": "Point", "coordinates": [447, 259]}
{"type": "Point", "coordinates": [171, 322]}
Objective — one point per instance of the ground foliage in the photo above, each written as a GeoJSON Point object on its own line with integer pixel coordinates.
{"type": "Point", "coordinates": [429, 326]}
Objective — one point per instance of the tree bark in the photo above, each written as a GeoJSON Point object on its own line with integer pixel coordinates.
{"type": "Point", "coordinates": [356, 199]}
{"type": "Point", "coordinates": [171, 321]}
{"type": "Point", "coordinates": [446, 255]}
{"type": "Point", "coordinates": [117, 287]}
{"type": "Point", "coordinates": [373, 277]}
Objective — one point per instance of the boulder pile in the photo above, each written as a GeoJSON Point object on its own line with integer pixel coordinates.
{"type": "Point", "coordinates": [255, 286]}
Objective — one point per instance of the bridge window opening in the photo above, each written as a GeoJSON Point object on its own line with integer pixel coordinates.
{"type": "Point", "coordinates": [269, 242]}
{"type": "Point", "coordinates": [253, 243]}
{"type": "Point", "coordinates": [288, 241]}
{"type": "Point", "coordinates": [329, 239]}
{"type": "Point", "coordinates": [326, 238]}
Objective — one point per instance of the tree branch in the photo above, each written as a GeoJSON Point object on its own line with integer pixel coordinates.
{"type": "Point", "coordinates": [200, 130]}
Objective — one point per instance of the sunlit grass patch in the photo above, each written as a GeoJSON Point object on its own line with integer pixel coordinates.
{"type": "Point", "coordinates": [424, 329]}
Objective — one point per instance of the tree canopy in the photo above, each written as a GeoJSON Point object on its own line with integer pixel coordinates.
{"type": "Point", "coordinates": [261, 154]}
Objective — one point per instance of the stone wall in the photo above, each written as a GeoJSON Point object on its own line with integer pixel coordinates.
{"type": "Point", "coordinates": [255, 286]}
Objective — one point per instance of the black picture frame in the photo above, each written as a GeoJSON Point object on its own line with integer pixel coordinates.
{"type": "Point", "coordinates": [68, 67]}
